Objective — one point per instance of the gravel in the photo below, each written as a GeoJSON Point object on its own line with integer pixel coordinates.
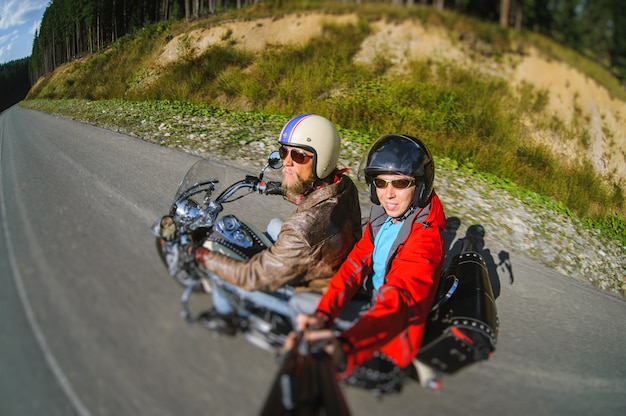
{"type": "Point", "coordinates": [514, 226]}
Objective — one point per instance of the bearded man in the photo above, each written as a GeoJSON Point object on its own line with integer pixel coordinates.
{"type": "Point", "coordinates": [313, 241]}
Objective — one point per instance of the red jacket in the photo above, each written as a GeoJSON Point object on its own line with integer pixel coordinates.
{"type": "Point", "coordinates": [395, 323]}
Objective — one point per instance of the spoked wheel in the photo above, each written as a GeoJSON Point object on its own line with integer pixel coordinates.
{"type": "Point", "coordinates": [176, 267]}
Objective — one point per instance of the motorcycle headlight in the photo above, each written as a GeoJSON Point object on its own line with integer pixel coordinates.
{"type": "Point", "coordinates": [188, 210]}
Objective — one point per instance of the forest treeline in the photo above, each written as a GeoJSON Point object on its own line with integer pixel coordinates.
{"type": "Point", "coordinates": [14, 82]}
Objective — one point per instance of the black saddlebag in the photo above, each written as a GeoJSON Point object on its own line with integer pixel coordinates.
{"type": "Point", "coordinates": [462, 327]}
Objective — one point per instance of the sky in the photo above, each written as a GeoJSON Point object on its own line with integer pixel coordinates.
{"type": "Point", "coordinates": [19, 20]}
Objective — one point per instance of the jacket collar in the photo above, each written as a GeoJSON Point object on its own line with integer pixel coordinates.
{"type": "Point", "coordinates": [324, 193]}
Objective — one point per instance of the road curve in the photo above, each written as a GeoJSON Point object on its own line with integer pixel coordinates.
{"type": "Point", "coordinates": [91, 322]}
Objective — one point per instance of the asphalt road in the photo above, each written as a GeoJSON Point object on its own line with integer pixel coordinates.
{"type": "Point", "coordinates": [90, 320]}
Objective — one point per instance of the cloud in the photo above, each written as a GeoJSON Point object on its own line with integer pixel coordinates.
{"type": "Point", "coordinates": [9, 37]}
{"type": "Point", "coordinates": [6, 44]}
{"type": "Point", "coordinates": [19, 20]}
{"type": "Point", "coordinates": [34, 27]}
{"type": "Point", "coordinates": [18, 12]}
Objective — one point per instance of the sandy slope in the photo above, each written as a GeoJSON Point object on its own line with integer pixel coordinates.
{"type": "Point", "coordinates": [573, 97]}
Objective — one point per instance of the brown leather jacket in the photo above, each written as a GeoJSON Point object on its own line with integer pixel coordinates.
{"type": "Point", "coordinates": [312, 244]}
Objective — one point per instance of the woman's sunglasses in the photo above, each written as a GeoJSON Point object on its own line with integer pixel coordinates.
{"type": "Point", "coordinates": [296, 155]}
{"type": "Point", "coordinates": [396, 183]}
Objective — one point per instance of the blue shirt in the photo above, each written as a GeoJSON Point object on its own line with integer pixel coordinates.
{"type": "Point", "coordinates": [382, 244]}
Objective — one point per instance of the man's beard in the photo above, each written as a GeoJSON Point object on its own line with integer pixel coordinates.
{"type": "Point", "coordinates": [300, 186]}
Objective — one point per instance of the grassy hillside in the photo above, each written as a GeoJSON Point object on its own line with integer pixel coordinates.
{"type": "Point", "coordinates": [475, 119]}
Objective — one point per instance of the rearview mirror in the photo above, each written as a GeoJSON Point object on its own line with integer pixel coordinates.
{"type": "Point", "coordinates": [274, 161]}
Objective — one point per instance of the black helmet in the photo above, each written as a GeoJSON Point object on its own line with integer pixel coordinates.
{"type": "Point", "coordinates": [402, 155]}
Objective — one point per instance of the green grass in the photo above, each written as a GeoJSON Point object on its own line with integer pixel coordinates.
{"type": "Point", "coordinates": [474, 119]}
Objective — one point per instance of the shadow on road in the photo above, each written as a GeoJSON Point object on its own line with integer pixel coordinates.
{"type": "Point", "coordinates": [453, 245]}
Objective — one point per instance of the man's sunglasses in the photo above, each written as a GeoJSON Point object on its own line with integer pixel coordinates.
{"type": "Point", "coordinates": [396, 183]}
{"type": "Point", "coordinates": [296, 155]}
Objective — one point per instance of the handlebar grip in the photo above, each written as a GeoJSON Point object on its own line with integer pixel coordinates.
{"type": "Point", "coordinates": [273, 188]}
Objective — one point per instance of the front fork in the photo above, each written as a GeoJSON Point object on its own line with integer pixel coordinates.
{"type": "Point", "coordinates": [186, 297]}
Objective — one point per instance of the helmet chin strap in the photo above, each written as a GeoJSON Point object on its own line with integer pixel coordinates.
{"type": "Point", "coordinates": [406, 214]}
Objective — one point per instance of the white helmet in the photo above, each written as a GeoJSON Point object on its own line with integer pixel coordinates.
{"type": "Point", "coordinates": [315, 134]}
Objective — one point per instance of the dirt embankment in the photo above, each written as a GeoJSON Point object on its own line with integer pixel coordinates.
{"type": "Point", "coordinates": [573, 97]}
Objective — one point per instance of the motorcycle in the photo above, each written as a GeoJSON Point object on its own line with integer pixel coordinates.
{"type": "Point", "coordinates": [461, 329]}
{"type": "Point", "coordinates": [197, 217]}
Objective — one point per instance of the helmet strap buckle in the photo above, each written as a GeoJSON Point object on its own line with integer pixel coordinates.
{"type": "Point", "coordinates": [406, 214]}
